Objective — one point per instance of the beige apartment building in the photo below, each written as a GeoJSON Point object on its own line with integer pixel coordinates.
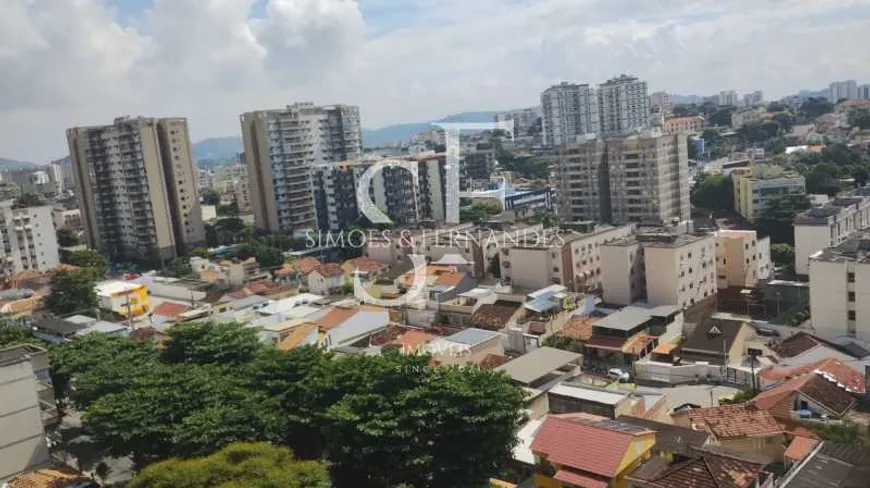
{"type": "Point", "coordinates": [581, 181]}
{"type": "Point", "coordinates": [282, 147]}
{"type": "Point", "coordinates": [742, 259]}
{"type": "Point", "coordinates": [690, 125]}
{"type": "Point", "coordinates": [840, 289]}
{"type": "Point", "coordinates": [663, 268]}
{"type": "Point", "coordinates": [567, 258]}
{"type": "Point", "coordinates": [828, 226]}
{"type": "Point", "coordinates": [137, 188]}
{"type": "Point", "coordinates": [649, 178]}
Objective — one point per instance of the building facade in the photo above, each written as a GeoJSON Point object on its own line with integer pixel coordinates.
{"type": "Point", "coordinates": [755, 186]}
{"type": "Point", "coordinates": [864, 92]}
{"type": "Point", "coordinates": [663, 268]}
{"type": "Point", "coordinates": [648, 178]}
{"type": "Point", "coordinates": [690, 125]}
{"type": "Point", "coordinates": [624, 105]}
{"type": "Point", "coordinates": [568, 110]}
{"type": "Point", "coordinates": [136, 184]}
{"type": "Point", "coordinates": [581, 181]}
{"type": "Point", "coordinates": [29, 239]}
{"type": "Point", "coordinates": [660, 102]}
{"type": "Point", "coordinates": [828, 226]}
{"type": "Point", "coordinates": [742, 259]}
{"type": "Point", "coordinates": [281, 148]}
{"type": "Point", "coordinates": [523, 119]}
{"type": "Point", "coordinates": [840, 289]}
{"type": "Point", "coordinates": [729, 98]}
{"type": "Point", "coordinates": [839, 90]}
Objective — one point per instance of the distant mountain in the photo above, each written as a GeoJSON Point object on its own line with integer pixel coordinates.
{"type": "Point", "coordinates": [404, 132]}
{"type": "Point", "coordinates": [10, 164]}
{"type": "Point", "coordinates": [217, 149]}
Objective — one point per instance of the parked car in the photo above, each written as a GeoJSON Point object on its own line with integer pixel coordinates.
{"type": "Point", "coordinates": [618, 374]}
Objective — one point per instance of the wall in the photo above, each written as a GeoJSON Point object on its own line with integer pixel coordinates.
{"type": "Point", "coordinates": [828, 293]}
{"type": "Point", "coordinates": [617, 265]}
{"type": "Point", "coordinates": [22, 437]}
{"type": "Point", "coordinates": [529, 268]}
{"type": "Point", "coordinates": [809, 239]}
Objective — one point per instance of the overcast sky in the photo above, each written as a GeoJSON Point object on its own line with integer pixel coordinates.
{"type": "Point", "coordinates": [81, 62]}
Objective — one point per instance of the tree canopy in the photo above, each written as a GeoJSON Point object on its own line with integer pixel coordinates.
{"type": "Point", "coordinates": [776, 217]}
{"type": "Point", "coordinates": [11, 335]}
{"type": "Point", "coordinates": [379, 421]}
{"type": "Point", "coordinates": [815, 107]}
{"type": "Point", "coordinates": [478, 212]}
{"type": "Point", "coordinates": [72, 291]}
{"type": "Point", "coordinates": [782, 254]}
{"type": "Point", "coordinates": [254, 465]}
{"type": "Point", "coordinates": [89, 258]}
{"type": "Point", "coordinates": [860, 117]}
{"type": "Point", "coordinates": [713, 192]}
{"type": "Point", "coordinates": [210, 197]}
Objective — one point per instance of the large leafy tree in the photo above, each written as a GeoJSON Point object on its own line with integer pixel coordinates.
{"type": "Point", "coordinates": [860, 117]}
{"type": "Point", "coordinates": [11, 335]}
{"type": "Point", "coordinates": [782, 254]}
{"type": "Point", "coordinates": [714, 192]}
{"type": "Point", "coordinates": [254, 465]}
{"type": "Point", "coordinates": [89, 259]}
{"type": "Point", "coordinates": [210, 343]}
{"type": "Point", "coordinates": [72, 291]}
{"type": "Point", "coordinates": [777, 216]}
{"type": "Point", "coordinates": [815, 107]}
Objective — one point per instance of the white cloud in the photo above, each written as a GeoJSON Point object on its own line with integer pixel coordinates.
{"type": "Point", "coordinates": [69, 62]}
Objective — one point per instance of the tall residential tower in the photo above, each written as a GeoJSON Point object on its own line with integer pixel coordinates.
{"type": "Point", "coordinates": [624, 105]}
{"type": "Point", "coordinates": [568, 110]}
{"type": "Point", "coordinates": [281, 149]}
{"type": "Point", "coordinates": [136, 185]}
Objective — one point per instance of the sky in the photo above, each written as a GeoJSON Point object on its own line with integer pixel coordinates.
{"type": "Point", "coordinates": [66, 63]}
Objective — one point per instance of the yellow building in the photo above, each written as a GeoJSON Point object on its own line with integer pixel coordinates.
{"type": "Point", "coordinates": [756, 186]}
{"type": "Point", "coordinates": [586, 450]}
{"type": "Point", "coordinates": [123, 297]}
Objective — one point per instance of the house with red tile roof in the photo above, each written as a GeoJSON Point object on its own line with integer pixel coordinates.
{"type": "Point", "coordinates": [806, 396]}
{"type": "Point", "coordinates": [798, 449]}
{"type": "Point", "coordinates": [704, 469]}
{"type": "Point", "coordinates": [326, 279]}
{"type": "Point", "coordinates": [742, 427]}
{"type": "Point", "coordinates": [367, 268]}
{"type": "Point", "coordinates": [587, 451]}
{"type": "Point", "coordinates": [832, 369]}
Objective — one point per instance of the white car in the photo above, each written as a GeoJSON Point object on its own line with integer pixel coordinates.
{"type": "Point", "coordinates": [618, 374]}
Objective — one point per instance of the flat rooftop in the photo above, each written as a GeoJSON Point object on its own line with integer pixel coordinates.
{"type": "Point", "coordinates": [856, 248]}
{"type": "Point", "coordinates": [536, 364]}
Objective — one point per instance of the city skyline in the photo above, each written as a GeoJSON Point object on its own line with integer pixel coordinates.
{"type": "Point", "coordinates": [80, 63]}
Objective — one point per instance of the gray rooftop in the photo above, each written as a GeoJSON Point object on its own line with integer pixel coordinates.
{"type": "Point", "coordinates": [537, 364]}
{"type": "Point", "coordinates": [855, 248]}
{"type": "Point", "coordinates": [472, 336]}
{"type": "Point", "coordinates": [633, 316]}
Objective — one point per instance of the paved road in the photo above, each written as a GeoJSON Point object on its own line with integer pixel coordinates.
{"type": "Point", "coordinates": [85, 453]}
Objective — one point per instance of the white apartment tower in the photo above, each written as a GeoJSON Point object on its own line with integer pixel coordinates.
{"type": "Point", "coordinates": [624, 106]}
{"type": "Point", "coordinates": [281, 148]}
{"type": "Point", "coordinates": [568, 110]}
{"type": "Point", "coordinates": [29, 239]}
{"type": "Point", "coordinates": [136, 185]}
{"type": "Point", "coordinates": [839, 90]}
{"type": "Point", "coordinates": [729, 98]}
{"type": "Point", "coordinates": [648, 178]}
{"type": "Point", "coordinates": [523, 119]}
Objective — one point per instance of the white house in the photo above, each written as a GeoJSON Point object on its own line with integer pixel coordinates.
{"type": "Point", "coordinates": [326, 279]}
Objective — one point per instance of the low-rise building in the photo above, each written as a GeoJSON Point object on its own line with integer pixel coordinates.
{"type": "Point", "coordinates": [664, 267]}
{"type": "Point", "coordinates": [704, 467]}
{"type": "Point", "coordinates": [572, 259]}
{"type": "Point", "coordinates": [326, 279]}
{"type": "Point", "coordinates": [806, 397]}
{"type": "Point", "coordinates": [675, 125]}
{"type": "Point", "coordinates": [123, 297]}
{"type": "Point", "coordinates": [630, 334]}
{"type": "Point", "coordinates": [584, 450]}
{"type": "Point", "coordinates": [742, 117]}
{"type": "Point", "coordinates": [742, 259]}
{"type": "Point", "coordinates": [467, 346]}
{"type": "Point", "coordinates": [757, 185]}
{"type": "Point", "coordinates": [830, 464]}
{"type": "Point", "coordinates": [840, 289]}
{"type": "Point", "coordinates": [27, 409]}
{"type": "Point", "coordinates": [742, 427]}
{"type": "Point", "coordinates": [828, 226]}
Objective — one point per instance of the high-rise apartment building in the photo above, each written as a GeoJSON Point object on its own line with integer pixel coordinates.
{"type": "Point", "coordinates": [632, 179]}
{"type": "Point", "coordinates": [581, 181]}
{"type": "Point", "coordinates": [568, 110]}
{"type": "Point", "coordinates": [660, 102]}
{"type": "Point", "coordinates": [753, 98]}
{"type": "Point", "coordinates": [29, 239]}
{"type": "Point", "coordinates": [281, 149]}
{"type": "Point", "coordinates": [648, 178]}
{"type": "Point", "coordinates": [839, 90]}
{"type": "Point", "coordinates": [728, 98]}
{"type": "Point", "coordinates": [523, 118]}
{"type": "Point", "coordinates": [624, 106]}
{"type": "Point", "coordinates": [864, 92]}
{"type": "Point", "coordinates": [136, 184]}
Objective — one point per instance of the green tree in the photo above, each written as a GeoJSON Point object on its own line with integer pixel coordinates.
{"type": "Point", "coordinates": [777, 216]}
{"type": "Point", "coordinates": [478, 212]}
{"type": "Point", "coordinates": [782, 254]}
{"type": "Point", "coordinates": [721, 117]}
{"type": "Point", "coordinates": [211, 197]}
{"type": "Point", "coordinates": [179, 268]}
{"type": "Point", "coordinates": [785, 120]}
{"type": "Point", "coordinates": [815, 107]}
{"type": "Point", "coordinates": [230, 210]}
{"type": "Point", "coordinates": [254, 465]}
{"type": "Point", "coordinates": [860, 117]}
{"type": "Point", "coordinates": [89, 258]}
{"type": "Point", "coordinates": [200, 252]}
{"type": "Point", "coordinates": [72, 291]}
{"type": "Point", "coordinates": [692, 148]}
{"type": "Point", "coordinates": [822, 179]}
{"type": "Point", "coordinates": [211, 343]}
{"type": "Point", "coordinates": [713, 192]}
{"type": "Point", "coordinates": [11, 335]}
{"type": "Point", "coordinates": [66, 237]}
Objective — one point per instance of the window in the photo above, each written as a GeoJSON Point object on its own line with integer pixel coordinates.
{"type": "Point", "coordinates": [850, 277]}
{"type": "Point", "coordinates": [851, 296]}
{"type": "Point", "coordinates": [851, 315]}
